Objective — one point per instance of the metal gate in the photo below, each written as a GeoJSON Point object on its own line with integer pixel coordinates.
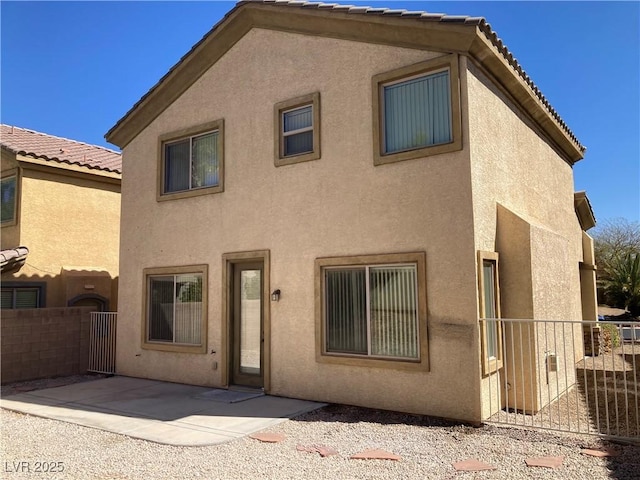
{"type": "Point", "coordinates": [102, 342]}
{"type": "Point", "coordinates": [578, 377]}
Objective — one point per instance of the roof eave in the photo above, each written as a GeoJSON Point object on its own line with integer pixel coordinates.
{"type": "Point", "coordinates": [584, 211]}
{"type": "Point", "coordinates": [487, 54]}
{"type": "Point", "coordinates": [419, 32]}
{"type": "Point", "coordinates": [69, 168]}
{"type": "Point", "coordinates": [245, 16]}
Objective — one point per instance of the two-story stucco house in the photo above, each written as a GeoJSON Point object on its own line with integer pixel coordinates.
{"type": "Point", "coordinates": [327, 201]}
{"type": "Point", "coordinates": [60, 221]}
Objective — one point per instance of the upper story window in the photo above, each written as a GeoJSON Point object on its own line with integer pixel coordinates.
{"type": "Point", "coordinates": [417, 111]}
{"type": "Point", "coordinates": [8, 189]}
{"type": "Point", "coordinates": [298, 130]}
{"type": "Point", "coordinates": [192, 161]}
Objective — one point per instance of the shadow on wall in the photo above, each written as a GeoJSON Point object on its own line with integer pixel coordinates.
{"type": "Point", "coordinates": [72, 287]}
{"type": "Point", "coordinates": [44, 342]}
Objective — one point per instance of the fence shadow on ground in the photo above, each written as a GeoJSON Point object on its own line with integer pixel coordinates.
{"type": "Point", "coordinates": [610, 392]}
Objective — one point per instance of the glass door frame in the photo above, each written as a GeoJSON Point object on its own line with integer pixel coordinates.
{"type": "Point", "coordinates": [233, 262]}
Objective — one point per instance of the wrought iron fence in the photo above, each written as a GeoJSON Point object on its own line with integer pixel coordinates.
{"type": "Point", "coordinates": [102, 342]}
{"type": "Point", "coordinates": [579, 377]}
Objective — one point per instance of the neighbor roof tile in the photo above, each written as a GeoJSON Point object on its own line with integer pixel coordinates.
{"type": "Point", "coordinates": [22, 141]}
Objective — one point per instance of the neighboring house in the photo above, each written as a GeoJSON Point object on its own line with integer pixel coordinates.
{"type": "Point", "coordinates": [60, 221]}
{"type": "Point", "coordinates": [319, 201]}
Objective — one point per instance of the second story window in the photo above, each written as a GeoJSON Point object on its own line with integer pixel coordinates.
{"type": "Point", "coordinates": [8, 199]}
{"type": "Point", "coordinates": [298, 130]}
{"type": "Point", "coordinates": [192, 163]}
{"type": "Point", "coordinates": [416, 111]}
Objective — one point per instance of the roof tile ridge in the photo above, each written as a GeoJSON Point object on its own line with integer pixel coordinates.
{"type": "Point", "coordinates": [42, 134]}
{"type": "Point", "coordinates": [492, 36]}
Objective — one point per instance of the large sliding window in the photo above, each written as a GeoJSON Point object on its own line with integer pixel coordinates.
{"type": "Point", "coordinates": [373, 307]}
{"type": "Point", "coordinates": [417, 111]}
{"type": "Point", "coordinates": [191, 162]}
{"type": "Point", "coordinates": [373, 311]}
{"type": "Point", "coordinates": [175, 309]}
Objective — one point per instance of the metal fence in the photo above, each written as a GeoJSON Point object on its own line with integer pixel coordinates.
{"type": "Point", "coordinates": [102, 342]}
{"type": "Point", "coordinates": [579, 377]}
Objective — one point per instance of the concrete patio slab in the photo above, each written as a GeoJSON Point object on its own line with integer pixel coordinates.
{"type": "Point", "coordinates": [161, 412]}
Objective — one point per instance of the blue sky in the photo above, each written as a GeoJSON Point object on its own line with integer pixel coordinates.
{"type": "Point", "coordinates": [73, 69]}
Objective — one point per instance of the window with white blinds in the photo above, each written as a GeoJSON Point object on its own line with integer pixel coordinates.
{"type": "Point", "coordinates": [372, 310]}
{"type": "Point", "coordinates": [176, 306]}
{"type": "Point", "coordinates": [192, 163]}
{"type": "Point", "coordinates": [175, 309]}
{"type": "Point", "coordinates": [297, 130]}
{"type": "Point", "coordinates": [417, 112]}
{"type": "Point", "coordinates": [297, 135]}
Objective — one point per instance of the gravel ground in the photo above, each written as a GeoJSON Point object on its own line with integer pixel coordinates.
{"type": "Point", "coordinates": [428, 448]}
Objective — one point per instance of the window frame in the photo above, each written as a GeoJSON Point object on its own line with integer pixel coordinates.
{"type": "Point", "coordinates": [40, 286]}
{"type": "Point", "coordinates": [6, 175]}
{"type": "Point", "coordinates": [190, 133]}
{"type": "Point", "coordinates": [166, 346]}
{"type": "Point", "coordinates": [489, 364]}
{"type": "Point", "coordinates": [422, 69]}
{"type": "Point", "coordinates": [313, 100]}
{"type": "Point", "coordinates": [322, 356]}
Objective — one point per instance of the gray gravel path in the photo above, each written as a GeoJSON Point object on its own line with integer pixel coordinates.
{"type": "Point", "coordinates": [428, 448]}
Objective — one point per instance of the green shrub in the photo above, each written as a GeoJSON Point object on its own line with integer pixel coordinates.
{"type": "Point", "coordinates": [610, 336]}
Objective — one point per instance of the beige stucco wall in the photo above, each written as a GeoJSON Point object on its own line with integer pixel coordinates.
{"type": "Point", "coordinates": [10, 233]}
{"type": "Point", "coordinates": [523, 203]}
{"type": "Point", "coordinates": [68, 221]}
{"type": "Point", "coordinates": [338, 205]}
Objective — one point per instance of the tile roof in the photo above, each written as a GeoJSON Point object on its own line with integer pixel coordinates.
{"type": "Point", "coordinates": [480, 22]}
{"type": "Point", "coordinates": [22, 141]}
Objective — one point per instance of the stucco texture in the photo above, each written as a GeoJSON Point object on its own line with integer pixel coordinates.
{"type": "Point", "coordinates": [67, 221]}
{"type": "Point", "coordinates": [523, 203]}
{"type": "Point", "coordinates": [338, 205]}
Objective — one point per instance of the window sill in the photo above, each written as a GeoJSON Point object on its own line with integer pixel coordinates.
{"type": "Point", "coordinates": [382, 159]}
{"type": "Point", "coordinates": [190, 193]}
{"type": "Point", "coordinates": [175, 348]}
{"type": "Point", "coordinates": [303, 157]}
{"type": "Point", "coordinates": [356, 361]}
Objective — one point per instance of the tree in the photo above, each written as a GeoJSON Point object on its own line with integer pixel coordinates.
{"type": "Point", "coordinates": [617, 252]}
{"type": "Point", "coordinates": [613, 240]}
{"type": "Point", "coordinates": [622, 283]}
